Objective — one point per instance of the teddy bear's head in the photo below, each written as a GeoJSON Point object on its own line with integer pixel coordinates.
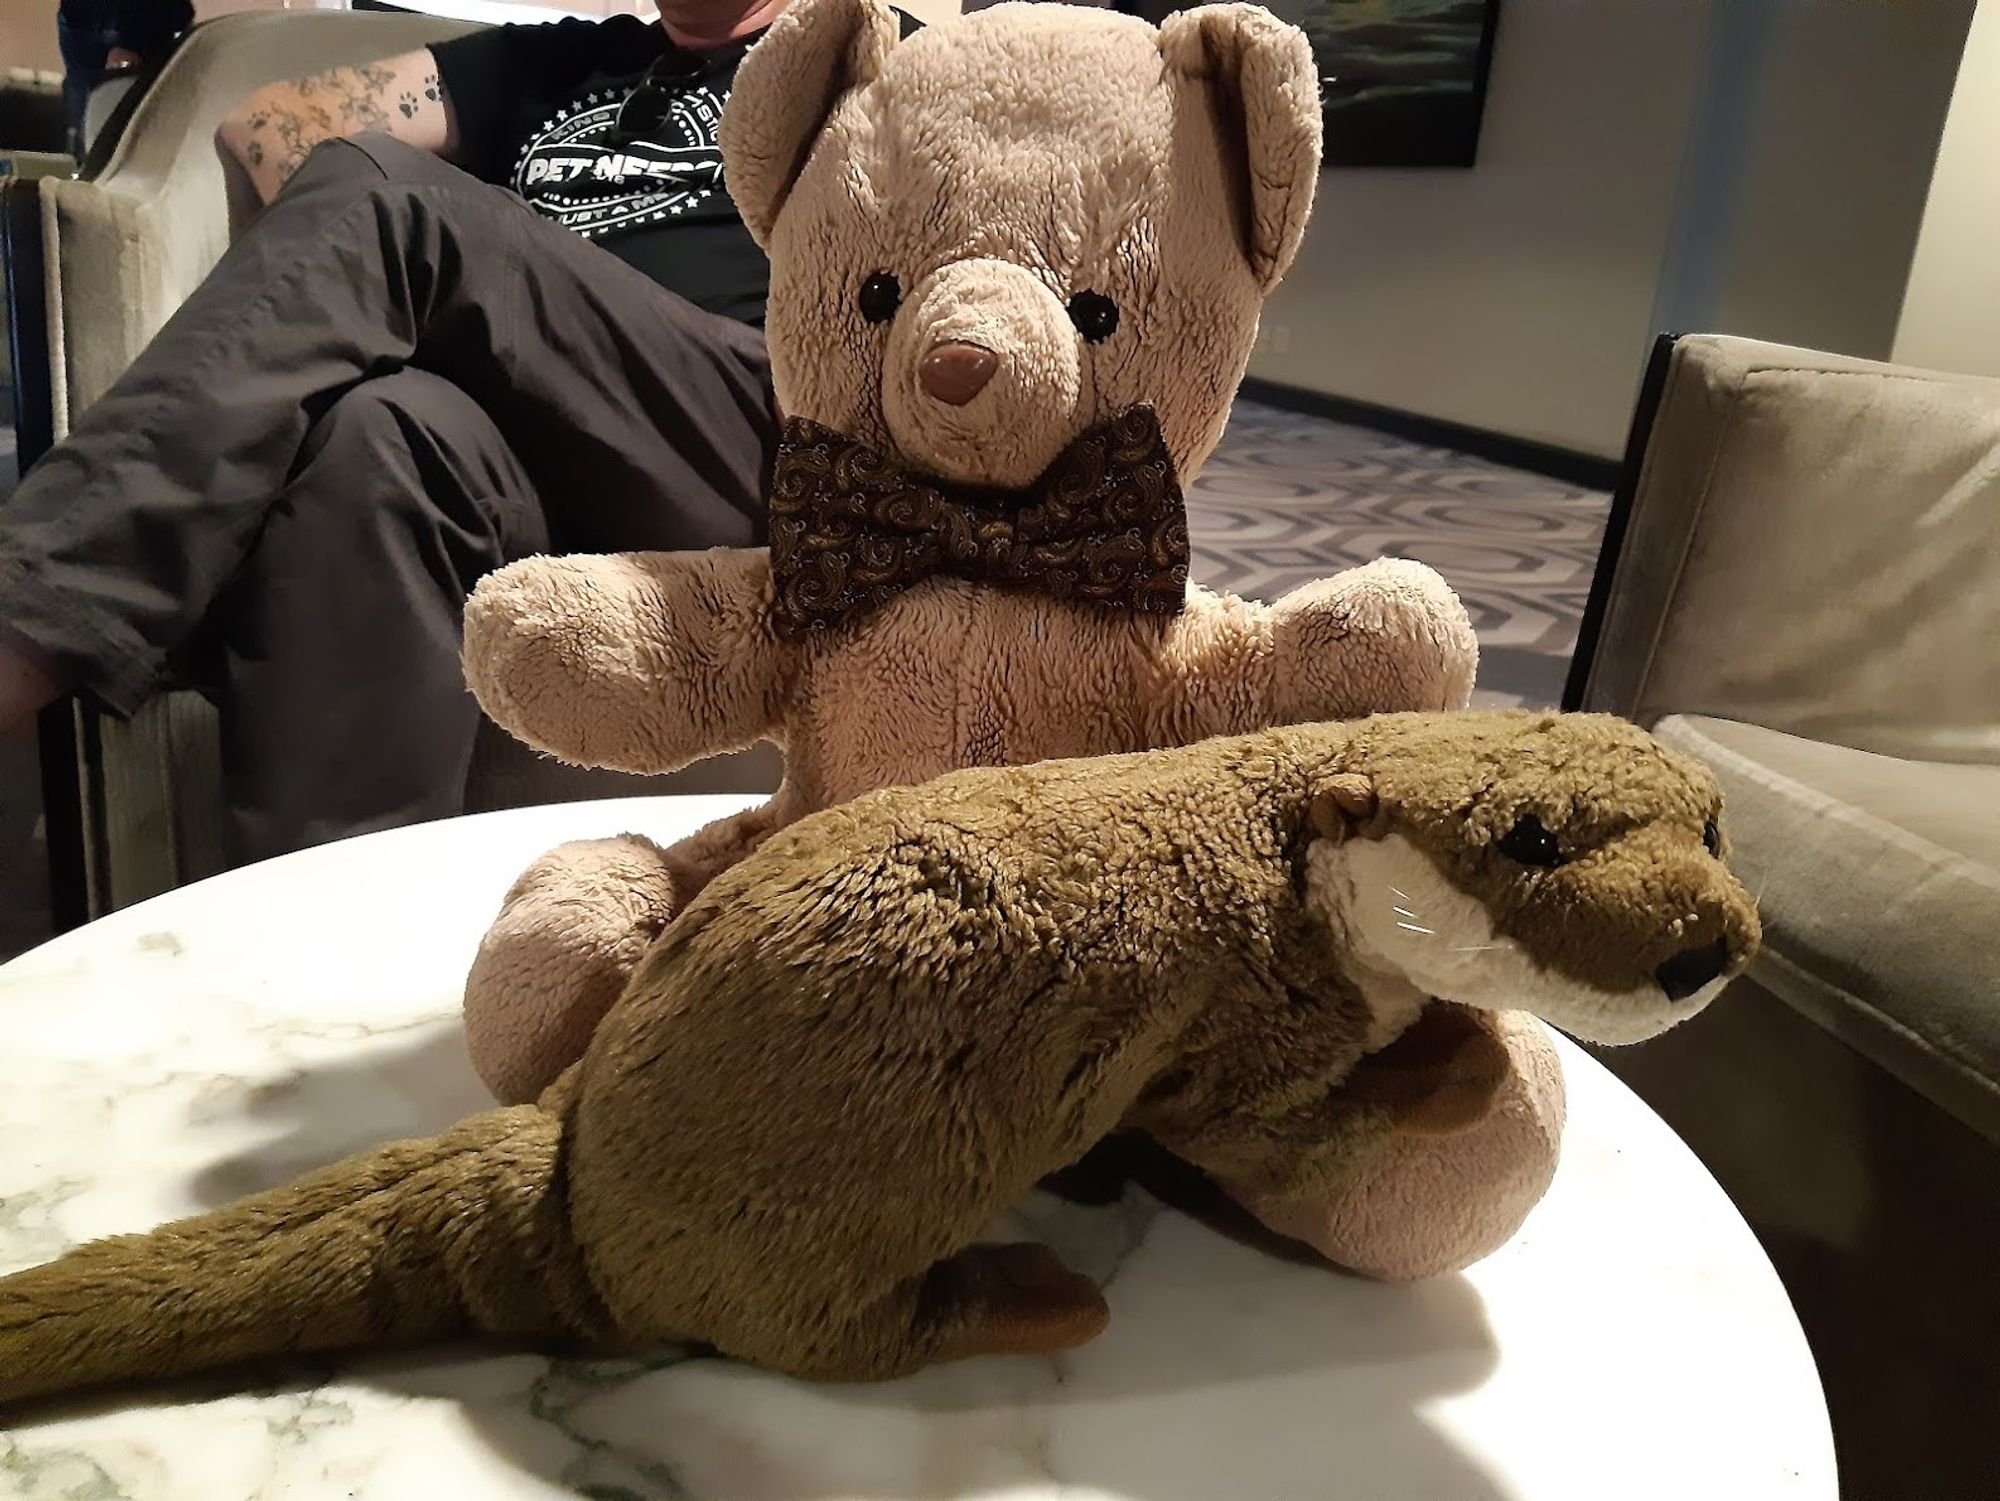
{"type": "Point", "coordinates": [1002, 231]}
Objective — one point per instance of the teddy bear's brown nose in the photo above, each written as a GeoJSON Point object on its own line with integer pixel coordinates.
{"type": "Point", "coordinates": [954, 373]}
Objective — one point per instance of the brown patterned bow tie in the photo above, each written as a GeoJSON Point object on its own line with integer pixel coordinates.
{"type": "Point", "coordinates": [851, 529]}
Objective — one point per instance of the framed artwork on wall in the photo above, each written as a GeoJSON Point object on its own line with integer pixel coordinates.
{"type": "Point", "coordinates": [1403, 82]}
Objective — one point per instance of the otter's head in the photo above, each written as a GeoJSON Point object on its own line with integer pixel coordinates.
{"type": "Point", "coordinates": [1567, 865]}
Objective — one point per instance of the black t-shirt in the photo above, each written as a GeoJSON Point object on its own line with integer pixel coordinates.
{"type": "Point", "coordinates": [609, 128]}
{"type": "Point", "coordinates": [544, 110]}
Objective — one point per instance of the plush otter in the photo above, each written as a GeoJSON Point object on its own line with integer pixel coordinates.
{"type": "Point", "coordinates": [877, 1033]}
{"type": "Point", "coordinates": [1016, 266]}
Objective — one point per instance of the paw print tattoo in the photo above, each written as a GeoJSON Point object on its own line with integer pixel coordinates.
{"type": "Point", "coordinates": [408, 105]}
{"type": "Point", "coordinates": [431, 90]}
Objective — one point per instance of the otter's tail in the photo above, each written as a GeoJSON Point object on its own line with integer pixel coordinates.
{"type": "Point", "coordinates": [412, 1242]}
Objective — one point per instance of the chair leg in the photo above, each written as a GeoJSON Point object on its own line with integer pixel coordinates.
{"type": "Point", "coordinates": [63, 824]}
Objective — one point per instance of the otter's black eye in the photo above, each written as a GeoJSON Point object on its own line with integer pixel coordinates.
{"type": "Point", "coordinates": [1711, 837]}
{"type": "Point", "coordinates": [880, 296]}
{"type": "Point", "coordinates": [1095, 316]}
{"type": "Point", "coordinates": [1531, 844]}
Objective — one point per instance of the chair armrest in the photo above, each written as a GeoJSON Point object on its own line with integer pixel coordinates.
{"type": "Point", "coordinates": [1808, 542]}
{"type": "Point", "coordinates": [139, 236]}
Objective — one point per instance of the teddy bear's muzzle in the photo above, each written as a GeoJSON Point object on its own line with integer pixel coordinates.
{"type": "Point", "coordinates": [982, 380]}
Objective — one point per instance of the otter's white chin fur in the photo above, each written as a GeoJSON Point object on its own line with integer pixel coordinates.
{"type": "Point", "coordinates": [1399, 915]}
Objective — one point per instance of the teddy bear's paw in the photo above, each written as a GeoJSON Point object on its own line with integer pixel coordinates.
{"type": "Point", "coordinates": [1386, 637]}
{"type": "Point", "coordinates": [552, 651]}
{"type": "Point", "coordinates": [640, 662]}
{"type": "Point", "coordinates": [1423, 1202]}
{"type": "Point", "coordinates": [558, 955]}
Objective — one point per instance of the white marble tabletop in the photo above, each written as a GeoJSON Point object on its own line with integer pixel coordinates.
{"type": "Point", "coordinates": [1632, 1342]}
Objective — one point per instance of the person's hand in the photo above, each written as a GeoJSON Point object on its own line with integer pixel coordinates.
{"type": "Point", "coordinates": [123, 57]}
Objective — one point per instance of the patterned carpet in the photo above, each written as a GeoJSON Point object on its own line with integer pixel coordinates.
{"type": "Point", "coordinates": [1288, 498]}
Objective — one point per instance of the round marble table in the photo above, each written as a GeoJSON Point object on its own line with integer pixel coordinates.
{"type": "Point", "coordinates": [1632, 1342]}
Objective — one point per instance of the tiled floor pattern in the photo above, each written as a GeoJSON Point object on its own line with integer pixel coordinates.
{"type": "Point", "coordinates": [1287, 498]}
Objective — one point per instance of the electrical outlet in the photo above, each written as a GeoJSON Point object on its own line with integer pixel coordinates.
{"type": "Point", "coordinates": [1276, 338]}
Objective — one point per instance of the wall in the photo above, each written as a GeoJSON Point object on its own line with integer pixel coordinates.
{"type": "Point", "coordinates": [1951, 310]}
{"type": "Point", "coordinates": [1750, 166]}
{"type": "Point", "coordinates": [1516, 296]}
{"type": "Point", "coordinates": [1838, 144]}
{"type": "Point", "coordinates": [28, 35]}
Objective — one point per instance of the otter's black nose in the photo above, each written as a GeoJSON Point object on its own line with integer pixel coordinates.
{"type": "Point", "coordinates": [1690, 969]}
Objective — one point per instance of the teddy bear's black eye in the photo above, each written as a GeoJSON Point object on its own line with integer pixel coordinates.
{"type": "Point", "coordinates": [1711, 837]}
{"type": "Point", "coordinates": [880, 296]}
{"type": "Point", "coordinates": [1531, 844]}
{"type": "Point", "coordinates": [1095, 316]}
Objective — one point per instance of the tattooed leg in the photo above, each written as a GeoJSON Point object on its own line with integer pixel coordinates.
{"type": "Point", "coordinates": [276, 129]}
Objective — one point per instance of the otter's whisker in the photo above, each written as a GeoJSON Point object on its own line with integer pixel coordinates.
{"type": "Point", "coordinates": [1763, 880]}
{"type": "Point", "coordinates": [1474, 948]}
{"type": "Point", "coordinates": [1427, 932]}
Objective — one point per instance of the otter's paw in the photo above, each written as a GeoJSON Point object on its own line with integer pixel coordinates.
{"type": "Point", "coordinates": [1385, 637]}
{"type": "Point", "coordinates": [568, 936]}
{"type": "Point", "coordinates": [1442, 1075]}
{"type": "Point", "coordinates": [1447, 1182]}
{"type": "Point", "coordinates": [1019, 1299]}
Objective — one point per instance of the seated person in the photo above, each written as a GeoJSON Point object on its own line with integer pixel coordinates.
{"type": "Point", "coordinates": [98, 35]}
{"type": "Point", "coordinates": [499, 303]}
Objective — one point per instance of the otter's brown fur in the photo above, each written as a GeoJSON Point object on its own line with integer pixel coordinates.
{"type": "Point", "coordinates": [860, 1046]}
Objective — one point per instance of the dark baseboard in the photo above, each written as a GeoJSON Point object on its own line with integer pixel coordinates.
{"type": "Point", "coordinates": [1565, 464]}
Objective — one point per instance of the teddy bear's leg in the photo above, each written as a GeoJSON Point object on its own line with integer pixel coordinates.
{"type": "Point", "coordinates": [568, 936]}
{"type": "Point", "coordinates": [1458, 1127]}
{"type": "Point", "coordinates": [1377, 639]}
{"type": "Point", "coordinates": [1016, 1299]}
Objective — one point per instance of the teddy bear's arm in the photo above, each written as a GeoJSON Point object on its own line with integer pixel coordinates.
{"type": "Point", "coordinates": [1387, 637]}
{"type": "Point", "coordinates": [638, 662]}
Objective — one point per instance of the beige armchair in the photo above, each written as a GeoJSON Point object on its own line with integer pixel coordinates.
{"type": "Point", "coordinates": [1802, 588]}
{"type": "Point", "coordinates": [1806, 595]}
{"type": "Point", "coordinates": [134, 808]}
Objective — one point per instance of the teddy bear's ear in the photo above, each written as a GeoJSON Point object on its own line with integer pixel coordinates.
{"type": "Point", "coordinates": [786, 87]}
{"type": "Point", "coordinates": [1266, 88]}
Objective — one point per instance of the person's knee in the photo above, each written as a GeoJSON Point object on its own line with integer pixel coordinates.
{"type": "Point", "coordinates": [369, 423]}
{"type": "Point", "coordinates": [411, 454]}
{"type": "Point", "coordinates": [331, 165]}
{"type": "Point", "coordinates": [361, 474]}
{"type": "Point", "coordinates": [373, 165]}
{"type": "Point", "coordinates": [397, 171]}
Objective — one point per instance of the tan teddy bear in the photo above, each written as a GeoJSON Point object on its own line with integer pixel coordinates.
{"type": "Point", "coordinates": [1017, 262]}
